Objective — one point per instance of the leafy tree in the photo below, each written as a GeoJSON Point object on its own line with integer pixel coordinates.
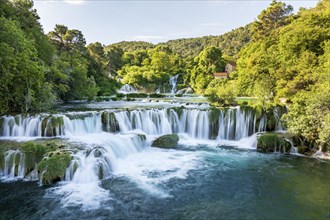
{"type": "Point", "coordinates": [270, 19]}
{"type": "Point", "coordinates": [21, 76]}
{"type": "Point", "coordinates": [222, 92]}
{"type": "Point", "coordinates": [73, 62]}
{"type": "Point", "coordinates": [207, 62]}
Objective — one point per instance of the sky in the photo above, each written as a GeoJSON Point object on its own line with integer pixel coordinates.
{"type": "Point", "coordinates": [111, 21]}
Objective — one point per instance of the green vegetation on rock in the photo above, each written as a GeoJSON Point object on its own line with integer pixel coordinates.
{"type": "Point", "coordinates": [273, 142]}
{"type": "Point", "coordinates": [52, 167]}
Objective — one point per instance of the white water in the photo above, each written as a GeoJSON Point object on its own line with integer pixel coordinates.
{"type": "Point", "coordinates": [173, 82]}
{"type": "Point", "coordinates": [125, 89]}
{"type": "Point", "coordinates": [232, 124]}
{"type": "Point", "coordinates": [124, 153]}
{"type": "Point", "coordinates": [13, 166]}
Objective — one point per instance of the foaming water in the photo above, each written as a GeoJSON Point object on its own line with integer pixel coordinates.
{"type": "Point", "coordinates": [153, 167]}
{"type": "Point", "coordinates": [87, 196]}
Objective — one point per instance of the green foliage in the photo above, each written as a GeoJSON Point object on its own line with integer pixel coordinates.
{"type": "Point", "coordinates": [131, 46]}
{"type": "Point", "coordinates": [273, 142]}
{"type": "Point", "coordinates": [208, 62]}
{"type": "Point", "coordinates": [137, 95]}
{"type": "Point", "coordinates": [221, 92]}
{"type": "Point", "coordinates": [288, 59]}
{"type": "Point", "coordinates": [33, 154]}
{"type": "Point", "coordinates": [156, 95]}
{"type": "Point", "coordinates": [270, 19]}
{"type": "Point", "coordinates": [22, 76]}
{"type": "Point", "coordinates": [230, 43]}
{"type": "Point", "coordinates": [150, 70]}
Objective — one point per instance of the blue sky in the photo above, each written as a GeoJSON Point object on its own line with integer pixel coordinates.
{"type": "Point", "coordinates": [152, 21]}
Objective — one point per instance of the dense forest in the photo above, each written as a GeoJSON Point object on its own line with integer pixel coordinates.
{"type": "Point", "coordinates": [281, 58]}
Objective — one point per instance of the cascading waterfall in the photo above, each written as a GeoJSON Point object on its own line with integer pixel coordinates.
{"type": "Point", "coordinates": [98, 162]}
{"type": "Point", "coordinates": [50, 125]}
{"type": "Point", "coordinates": [112, 135]}
{"type": "Point", "coordinates": [14, 165]}
{"type": "Point", "coordinates": [224, 124]}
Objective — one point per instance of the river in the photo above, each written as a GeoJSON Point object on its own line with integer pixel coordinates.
{"type": "Point", "coordinates": [214, 173]}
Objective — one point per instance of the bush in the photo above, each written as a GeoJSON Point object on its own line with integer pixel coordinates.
{"type": "Point", "coordinates": [137, 95]}
{"type": "Point", "coordinates": [120, 95]}
{"type": "Point", "coordinates": [156, 95]}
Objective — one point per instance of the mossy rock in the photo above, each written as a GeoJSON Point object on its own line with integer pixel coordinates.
{"type": "Point", "coordinates": [2, 121]}
{"type": "Point", "coordinates": [136, 95]}
{"type": "Point", "coordinates": [52, 168]}
{"type": "Point", "coordinates": [178, 110]}
{"type": "Point", "coordinates": [142, 137]}
{"type": "Point", "coordinates": [273, 142]}
{"type": "Point", "coordinates": [214, 122]}
{"type": "Point", "coordinates": [109, 122]}
{"type": "Point", "coordinates": [49, 125]}
{"type": "Point", "coordinates": [166, 141]}
{"type": "Point", "coordinates": [2, 159]}
{"type": "Point", "coordinates": [156, 95]}
{"type": "Point", "coordinates": [33, 154]}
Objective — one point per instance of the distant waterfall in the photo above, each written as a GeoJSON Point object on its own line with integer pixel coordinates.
{"type": "Point", "coordinates": [226, 124]}
{"type": "Point", "coordinates": [127, 89]}
{"type": "Point", "coordinates": [173, 82]}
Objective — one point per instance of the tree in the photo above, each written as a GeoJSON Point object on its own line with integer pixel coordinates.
{"type": "Point", "coordinates": [22, 77]}
{"type": "Point", "coordinates": [72, 61]}
{"type": "Point", "coordinates": [207, 62]}
{"type": "Point", "coordinates": [270, 19]}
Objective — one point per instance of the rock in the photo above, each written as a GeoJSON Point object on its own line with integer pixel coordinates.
{"type": "Point", "coordinates": [52, 168]}
{"type": "Point", "coordinates": [166, 141]}
{"type": "Point", "coordinates": [273, 142]}
{"type": "Point", "coordinates": [109, 122]}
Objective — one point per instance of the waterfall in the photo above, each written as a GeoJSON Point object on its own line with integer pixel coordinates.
{"type": "Point", "coordinates": [127, 89]}
{"type": "Point", "coordinates": [173, 81]}
{"type": "Point", "coordinates": [13, 166]}
{"type": "Point", "coordinates": [222, 124]}
{"type": "Point", "coordinates": [50, 125]}
{"type": "Point", "coordinates": [111, 135]}
{"type": "Point", "coordinates": [99, 162]}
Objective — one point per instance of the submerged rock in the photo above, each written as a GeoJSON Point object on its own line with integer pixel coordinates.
{"type": "Point", "coordinates": [273, 142]}
{"type": "Point", "coordinates": [166, 141]}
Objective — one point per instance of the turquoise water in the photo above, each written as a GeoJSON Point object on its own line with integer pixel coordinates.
{"type": "Point", "coordinates": [193, 182]}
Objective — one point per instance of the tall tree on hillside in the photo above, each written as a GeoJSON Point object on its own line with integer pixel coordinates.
{"type": "Point", "coordinates": [270, 19]}
{"type": "Point", "coordinates": [97, 68]}
{"type": "Point", "coordinates": [73, 63]}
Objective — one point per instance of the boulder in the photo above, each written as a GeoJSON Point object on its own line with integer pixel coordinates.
{"type": "Point", "coordinates": [52, 168]}
{"type": "Point", "coordinates": [167, 141]}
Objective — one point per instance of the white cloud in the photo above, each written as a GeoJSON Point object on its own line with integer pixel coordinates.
{"type": "Point", "coordinates": [75, 2]}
